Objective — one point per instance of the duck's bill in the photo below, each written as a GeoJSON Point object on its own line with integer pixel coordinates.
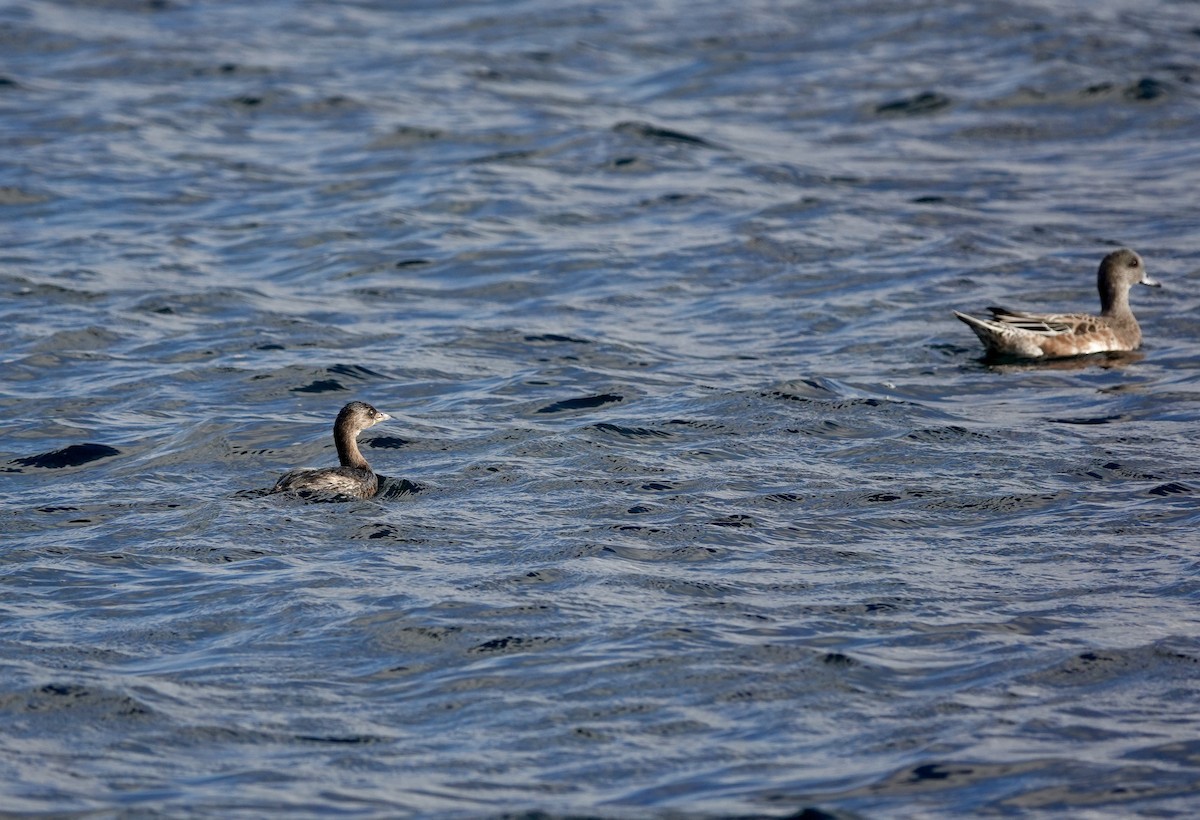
{"type": "Point", "coordinates": [1154, 283]}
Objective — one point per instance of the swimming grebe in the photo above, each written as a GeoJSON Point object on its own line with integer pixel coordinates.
{"type": "Point", "coordinates": [354, 478]}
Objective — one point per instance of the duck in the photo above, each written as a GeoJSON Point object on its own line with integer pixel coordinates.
{"type": "Point", "coordinates": [353, 477]}
{"type": "Point", "coordinates": [1017, 334]}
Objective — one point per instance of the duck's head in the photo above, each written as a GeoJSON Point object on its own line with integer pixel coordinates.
{"type": "Point", "coordinates": [1124, 267]}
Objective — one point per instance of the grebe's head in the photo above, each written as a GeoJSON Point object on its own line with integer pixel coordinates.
{"type": "Point", "coordinates": [359, 415]}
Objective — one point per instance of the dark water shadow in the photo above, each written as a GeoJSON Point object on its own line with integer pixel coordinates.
{"type": "Point", "coordinates": [73, 455]}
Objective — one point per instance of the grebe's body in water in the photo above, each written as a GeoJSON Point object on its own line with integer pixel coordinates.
{"type": "Point", "coordinates": [354, 477]}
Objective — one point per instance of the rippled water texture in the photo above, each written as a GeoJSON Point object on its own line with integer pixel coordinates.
{"type": "Point", "coordinates": [698, 500]}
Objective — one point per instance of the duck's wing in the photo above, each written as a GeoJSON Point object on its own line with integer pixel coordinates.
{"type": "Point", "coordinates": [1045, 324]}
{"type": "Point", "coordinates": [1012, 335]}
{"type": "Point", "coordinates": [1053, 335]}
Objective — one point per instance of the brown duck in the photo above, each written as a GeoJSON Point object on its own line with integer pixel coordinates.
{"type": "Point", "coordinates": [1014, 333]}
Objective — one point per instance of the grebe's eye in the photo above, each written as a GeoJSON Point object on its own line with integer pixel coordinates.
{"type": "Point", "coordinates": [1134, 263]}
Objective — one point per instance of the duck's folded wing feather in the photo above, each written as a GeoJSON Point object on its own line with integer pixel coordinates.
{"type": "Point", "coordinates": [1045, 324]}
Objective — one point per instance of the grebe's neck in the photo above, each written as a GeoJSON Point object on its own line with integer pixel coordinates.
{"type": "Point", "coordinates": [346, 439]}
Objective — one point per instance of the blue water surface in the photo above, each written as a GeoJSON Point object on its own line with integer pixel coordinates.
{"type": "Point", "coordinates": [697, 501]}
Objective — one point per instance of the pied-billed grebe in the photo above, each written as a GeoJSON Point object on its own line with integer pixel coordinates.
{"type": "Point", "coordinates": [354, 478]}
{"type": "Point", "coordinates": [1052, 335]}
